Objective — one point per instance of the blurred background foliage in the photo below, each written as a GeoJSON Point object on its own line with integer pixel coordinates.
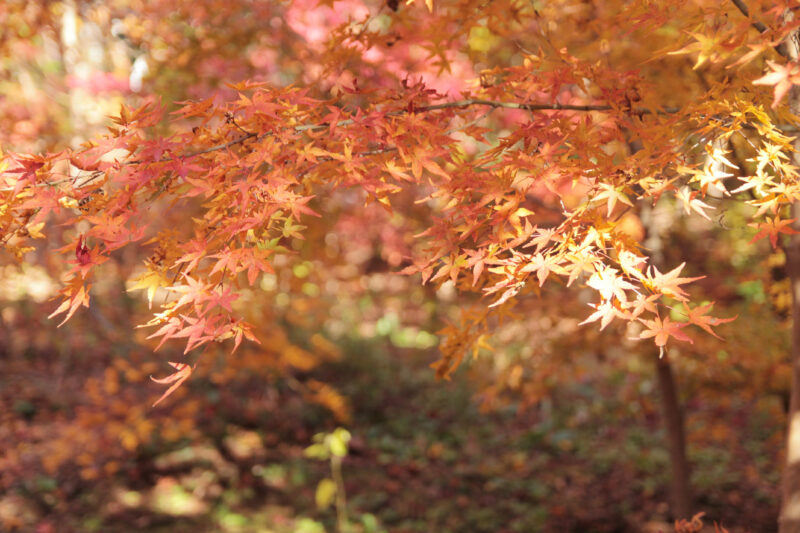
{"type": "Point", "coordinates": [546, 427]}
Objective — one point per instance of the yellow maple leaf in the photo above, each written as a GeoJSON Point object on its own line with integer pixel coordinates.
{"type": "Point", "coordinates": [151, 281]}
{"type": "Point", "coordinates": [35, 230]}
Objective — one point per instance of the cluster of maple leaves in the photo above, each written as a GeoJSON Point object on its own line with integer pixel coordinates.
{"type": "Point", "coordinates": [587, 140]}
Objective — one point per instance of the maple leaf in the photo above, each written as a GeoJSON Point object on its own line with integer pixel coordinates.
{"type": "Point", "coordinates": [243, 330]}
{"type": "Point", "coordinates": [197, 251]}
{"type": "Point", "coordinates": [82, 252]}
{"type": "Point", "coordinates": [151, 281]}
{"type": "Point", "coordinates": [542, 238]}
{"type": "Point", "coordinates": [35, 230]}
{"type": "Point", "coordinates": [199, 331]}
{"type": "Point", "coordinates": [605, 311]}
{"type": "Point", "coordinates": [631, 263]}
{"type": "Point", "coordinates": [662, 330]}
{"type": "Point", "coordinates": [580, 261]}
{"type": "Point", "coordinates": [712, 173]}
{"type": "Point", "coordinates": [86, 258]}
{"type": "Point", "coordinates": [452, 266]}
{"type": "Point", "coordinates": [669, 284]}
{"type": "Point", "coordinates": [755, 51]}
{"type": "Point", "coordinates": [193, 292]}
{"type": "Point", "coordinates": [181, 374]}
{"type": "Point", "coordinates": [611, 194]}
{"type": "Point", "coordinates": [509, 293]}
{"type": "Point", "coordinates": [772, 228]}
{"type": "Point", "coordinates": [704, 45]}
{"type": "Point", "coordinates": [169, 325]}
{"type": "Point", "coordinates": [698, 317]}
{"type": "Point", "coordinates": [609, 284]}
{"type": "Point", "coordinates": [76, 295]}
{"type": "Point", "coordinates": [691, 203]}
{"type": "Point", "coordinates": [782, 77]}
{"type": "Point", "coordinates": [543, 265]}
{"type": "Point", "coordinates": [29, 165]}
{"type": "Point", "coordinates": [641, 304]}
{"type": "Point", "coordinates": [298, 206]}
{"type": "Point", "coordinates": [477, 262]}
{"type": "Point", "coordinates": [397, 172]}
{"type": "Point", "coordinates": [195, 109]}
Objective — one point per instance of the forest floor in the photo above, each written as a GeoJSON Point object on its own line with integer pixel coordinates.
{"type": "Point", "coordinates": [424, 458]}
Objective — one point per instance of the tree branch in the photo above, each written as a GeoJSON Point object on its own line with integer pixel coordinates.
{"type": "Point", "coordinates": [422, 109]}
{"type": "Point", "coordinates": [434, 107]}
{"type": "Point", "coordinates": [760, 26]}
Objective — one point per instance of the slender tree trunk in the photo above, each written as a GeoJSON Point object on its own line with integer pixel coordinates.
{"type": "Point", "coordinates": [790, 497]}
{"type": "Point", "coordinates": [790, 489]}
{"type": "Point", "coordinates": [672, 414]}
{"type": "Point", "coordinates": [671, 411]}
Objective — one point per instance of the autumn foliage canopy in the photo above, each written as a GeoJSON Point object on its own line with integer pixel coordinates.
{"type": "Point", "coordinates": [521, 140]}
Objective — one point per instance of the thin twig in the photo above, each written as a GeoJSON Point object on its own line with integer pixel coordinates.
{"type": "Point", "coordinates": [761, 27]}
{"type": "Point", "coordinates": [201, 152]}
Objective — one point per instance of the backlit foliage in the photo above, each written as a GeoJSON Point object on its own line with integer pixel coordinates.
{"type": "Point", "coordinates": [520, 140]}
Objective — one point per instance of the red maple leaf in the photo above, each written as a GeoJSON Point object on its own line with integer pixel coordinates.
{"type": "Point", "coordinates": [86, 257]}
{"type": "Point", "coordinates": [82, 252]}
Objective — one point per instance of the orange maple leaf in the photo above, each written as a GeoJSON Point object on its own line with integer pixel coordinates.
{"type": "Point", "coordinates": [698, 317]}
{"type": "Point", "coordinates": [782, 77]}
{"type": "Point", "coordinates": [669, 283]}
{"type": "Point", "coordinates": [662, 330]}
{"type": "Point", "coordinates": [182, 373]}
{"type": "Point", "coordinates": [75, 295]}
{"type": "Point", "coordinates": [772, 227]}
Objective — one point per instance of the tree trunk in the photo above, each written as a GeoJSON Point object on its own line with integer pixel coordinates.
{"type": "Point", "coordinates": [671, 411]}
{"type": "Point", "coordinates": [790, 497]}
{"type": "Point", "coordinates": [790, 488]}
{"type": "Point", "coordinates": [679, 488]}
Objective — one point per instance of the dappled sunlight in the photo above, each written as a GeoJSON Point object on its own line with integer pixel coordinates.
{"type": "Point", "coordinates": [793, 447]}
{"type": "Point", "coordinates": [26, 282]}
